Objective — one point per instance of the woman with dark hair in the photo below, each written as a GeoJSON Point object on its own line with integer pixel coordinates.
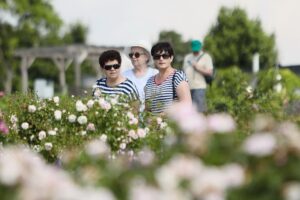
{"type": "Point", "coordinates": [114, 83]}
{"type": "Point", "coordinates": [169, 84]}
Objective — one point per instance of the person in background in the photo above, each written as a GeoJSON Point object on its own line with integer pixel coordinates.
{"type": "Point", "coordinates": [169, 84]}
{"type": "Point", "coordinates": [142, 70]}
{"type": "Point", "coordinates": [114, 83]}
{"type": "Point", "coordinates": [196, 65]}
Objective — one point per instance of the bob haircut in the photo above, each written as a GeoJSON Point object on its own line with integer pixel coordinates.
{"type": "Point", "coordinates": [109, 56]}
{"type": "Point", "coordinates": [162, 47]}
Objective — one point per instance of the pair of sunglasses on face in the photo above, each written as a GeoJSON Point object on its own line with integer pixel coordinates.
{"type": "Point", "coordinates": [164, 56]}
{"type": "Point", "coordinates": [136, 55]}
{"type": "Point", "coordinates": [109, 67]}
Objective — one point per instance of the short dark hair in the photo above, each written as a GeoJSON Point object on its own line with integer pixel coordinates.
{"type": "Point", "coordinates": [109, 55]}
{"type": "Point", "coordinates": [162, 46]}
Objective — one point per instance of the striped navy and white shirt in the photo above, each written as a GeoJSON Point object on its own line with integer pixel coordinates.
{"type": "Point", "coordinates": [127, 88]}
{"type": "Point", "coordinates": [161, 96]}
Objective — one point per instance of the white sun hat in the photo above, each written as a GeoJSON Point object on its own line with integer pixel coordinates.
{"type": "Point", "coordinates": [142, 44]}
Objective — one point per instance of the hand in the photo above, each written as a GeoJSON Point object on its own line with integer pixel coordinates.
{"type": "Point", "coordinates": [194, 64]}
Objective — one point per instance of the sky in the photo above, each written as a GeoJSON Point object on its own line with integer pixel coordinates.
{"type": "Point", "coordinates": [121, 22]}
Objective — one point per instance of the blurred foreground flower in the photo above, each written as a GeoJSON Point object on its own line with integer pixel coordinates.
{"type": "Point", "coordinates": [221, 123]}
{"type": "Point", "coordinates": [33, 179]}
{"type": "Point", "coordinates": [3, 127]}
{"type": "Point", "coordinates": [187, 118]}
{"type": "Point", "coordinates": [260, 144]}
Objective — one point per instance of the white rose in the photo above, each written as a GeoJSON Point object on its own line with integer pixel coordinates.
{"type": "Point", "coordinates": [13, 119]}
{"type": "Point", "coordinates": [82, 119]}
{"type": "Point", "coordinates": [72, 118]}
{"type": "Point", "coordinates": [103, 137]}
{"type": "Point", "coordinates": [114, 101]}
{"type": "Point", "coordinates": [25, 125]}
{"type": "Point", "coordinates": [97, 92]}
{"type": "Point", "coordinates": [123, 146]}
{"type": "Point", "coordinates": [141, 133]}
{"type": "Point", "coordinates": [80, 107]}
{"type": "Point", "coordinates": [31, 108]}
{"type": "Point", "coordinates": [31, 137]}
{"type": "Point", "coordinates": [159, 120]}
{"type": "Point", "coordinates": [52, 132]}
{"type": "Point", "coordinates": [90, 103]}
{"type": "Point", "coordinates": [260, 144]}
{"type": "Point", "coordinates": [91, 127]}
{"type": "Point", "coordinates": [48, 146]}
{"type": "Point", "coordinates": [56, 99]}
{"type": "Point", "coordinates": [42, 135]}
{"type": "Point", "coordinates": [57, 115]}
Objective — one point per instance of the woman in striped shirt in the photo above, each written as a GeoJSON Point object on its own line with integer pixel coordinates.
{"type": "Point", "coordinates": [169, 84]}
{"type": "Point", "coordinates": [114, 83]}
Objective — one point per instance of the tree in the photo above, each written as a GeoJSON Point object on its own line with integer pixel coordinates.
{"type": "Point", "coordinates": [37, 25]}
{"type": "Point", "coordinates": [35, 20]}
{"type": "Point", "coordinates": [234, 39]}
{"type": "Point", "coordinates": [180, 47]}
{"type": "Point", "coordinates": [77, 34]}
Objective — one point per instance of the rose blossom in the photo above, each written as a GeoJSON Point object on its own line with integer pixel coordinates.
{"type": "Point", "coordinates": [51, 132]}
{"type": "Point", "coordinates": [31, 108]}
{"type": "Point", "coordinates": [56, 99]}
{"type": "Point", "coordinates": [123, 146]}
{"type": "Point", "coordinates": [260, 144]}
{"type": "Point", "coordinates": [42, 135]}
{"type": "Point", "coordinates": [82, 119]}
{"type": "Point", "coordinates": [220, 123]}
{"type": "Point", "coordinates": [97, 92]}
{"type": "Point", "coordinates": [3, 127]}
{"type": "Point", "coordinates": [103, 137]}
{"type": "Point", "coordinates": [13, 119]}
{"type": "Point", "coordinates": [80, 107]}
{"type": "Point", "coordinates": [91, 127]}
{"type": "Point", "coordinates": [57, 115]}
{"type": "Point", "coordinates": [132, 134]}
{"type": "Point", "coordinates": [48, 146]}
{"type": "Point", "coordinates": [72, 118]}
{"type": "Point", "coordinates": [141, 133]}
{"type": "Point", "coordinates": [25, 125]}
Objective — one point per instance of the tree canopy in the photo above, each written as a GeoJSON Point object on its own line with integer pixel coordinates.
{"type": "Point", "coordinates": [234, 38]}
{"type": "Point", "coordinates": [29, 24]}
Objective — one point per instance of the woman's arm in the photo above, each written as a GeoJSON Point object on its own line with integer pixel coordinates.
{"type": "Point", "coordinates": [183, 92]}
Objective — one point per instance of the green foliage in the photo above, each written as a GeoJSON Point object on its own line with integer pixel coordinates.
{"type": "Point", "coordinates": [110, 118]}
{"type": "Point", "coordinates": [234, 39]}
{"type": "Point", "coordinates": [239, 94]}
{"type": "Point", "coordinates": [77, 34]}
{"type": "Point", "coordinates": [37, 25]}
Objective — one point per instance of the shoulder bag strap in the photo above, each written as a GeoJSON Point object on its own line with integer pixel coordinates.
{"type": "Point", "coordinates": [173, 85]}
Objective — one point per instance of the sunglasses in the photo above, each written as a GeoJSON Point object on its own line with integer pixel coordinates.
{"type": "Point", "coordinates": [158, 56]}
{"type": "Point", "coordinates": [136, 55]}
{"type": "Point", "coordinates": [109, 67]}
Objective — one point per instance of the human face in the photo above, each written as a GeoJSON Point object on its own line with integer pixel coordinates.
{"type": "Point", "coordinates": [111, 72]}
{"type": "Point", "coordinates": [138, 56]}
{"type": "Point", "coordinates": [162, 60]}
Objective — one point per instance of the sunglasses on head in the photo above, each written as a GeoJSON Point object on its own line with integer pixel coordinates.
{"type": "Point", "coordinates": [136, 55]}
{"type": "Point", "coordinates": [158, 56]}
{"type": "Point", "coordinates": [109, 67]}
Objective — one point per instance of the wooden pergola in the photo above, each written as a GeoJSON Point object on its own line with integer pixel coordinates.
{"type": "Point", "coordinates": [62, 57]}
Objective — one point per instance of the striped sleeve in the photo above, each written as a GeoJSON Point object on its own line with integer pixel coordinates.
{"type": "Point", "coordinates": [180, 76]}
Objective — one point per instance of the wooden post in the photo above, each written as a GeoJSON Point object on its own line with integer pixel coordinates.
{"type": "Point", "coordinates": [77, 63]}
{"type": "Point", "coordinates": [25, 64]}
{"type": "Point", "coordinates": [62, 65]}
